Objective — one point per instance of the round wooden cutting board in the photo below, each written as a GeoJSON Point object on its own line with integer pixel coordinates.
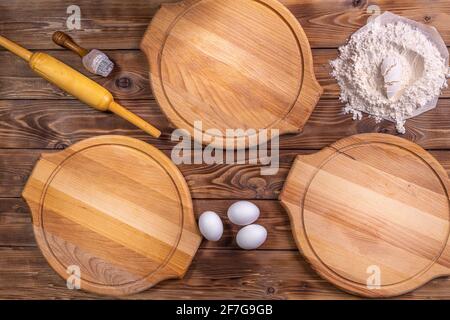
{"type": "Point", "coordinates": [371, 214]}
{"type": "Point", "coordinates": [114, 211]}
{"type": "Point", "coordinates": [231, 64]}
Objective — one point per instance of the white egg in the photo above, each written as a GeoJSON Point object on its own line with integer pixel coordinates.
{"type": "Point", "coordinates": [211, 226]}
{"type": "Point", "coordinates": [251, 237]}
{"type": "Point", "coordinates": [392, 72]}
{"type": "Point", "coordinates": [392, 89]}
{"type": "Point", "coordinates": [243, 213]}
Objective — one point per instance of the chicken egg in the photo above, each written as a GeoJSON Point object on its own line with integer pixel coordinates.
{"type": "Point", "coordinates": [251, 237]}
{"type": "Point", "coordinates": [243, 213]}
{"type": "Point", "coordinates": [211, 226]}
{"type": "Point", "coordinates": [392, 72]}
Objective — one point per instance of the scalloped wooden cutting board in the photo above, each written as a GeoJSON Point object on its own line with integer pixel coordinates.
{"type": "Point", "coordinates": [231, 64]}
{"type": "Point", "coordinates": [371, 214]}
{"type": "Point", "coordinates": [116, 209]}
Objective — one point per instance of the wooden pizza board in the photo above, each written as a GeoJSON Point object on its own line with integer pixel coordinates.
{"type": "Point", "coordinates": [116, 211]}
{"type": "Point", "coordinates": [371, 214]}
{"type": "Point", "coordinates": [231, 64]}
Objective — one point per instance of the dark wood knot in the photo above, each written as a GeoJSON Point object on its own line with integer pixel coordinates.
{"type": "Point", "coordinates": [356, 3]}
{"type": "Point", "coordinates": [124, 82]}
{"type": "Point", "coordinates": [386, 130]}
{"type": "Point", "coordinates": [270, 290]}
{"type": "Point", "coordinates": [61, 145]}
{"type": "Point", "coordinates": [19, 208]}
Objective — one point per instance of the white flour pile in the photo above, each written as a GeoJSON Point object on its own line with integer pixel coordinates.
{"type": "Point", "coordinates": [390, 71]}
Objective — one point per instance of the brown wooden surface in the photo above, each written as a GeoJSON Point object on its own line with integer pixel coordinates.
{"type": "Point", "coordinates": [35, 117]}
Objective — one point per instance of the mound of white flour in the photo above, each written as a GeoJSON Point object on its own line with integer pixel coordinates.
{"type": "Point", "coordinates": [357, 70]}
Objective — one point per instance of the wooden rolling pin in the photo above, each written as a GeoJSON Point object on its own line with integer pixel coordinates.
{"type": "Point", "coordinates": [76, 84]}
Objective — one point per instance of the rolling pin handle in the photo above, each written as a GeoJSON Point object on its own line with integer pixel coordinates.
{"type": "Point", "coordinates": [16, 49]}
{"type": "Point", "coordinates": [134, 119]}
{"type": "Point", "coordinates": [64, 40]}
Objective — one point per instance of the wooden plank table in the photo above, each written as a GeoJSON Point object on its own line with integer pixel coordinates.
{"type": "Point", "coordinates": [36, 117]}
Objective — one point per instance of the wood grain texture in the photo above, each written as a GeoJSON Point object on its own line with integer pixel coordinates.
{"type": "Point", "coordinates": [46, 124]}
{"type": "Point", "coordinates": [250, 277]}
{"type": "Point", "coordinates": [24, 273]}
{"type": "Point", "coordinates": [327, 23]}
{"type": "Point", "coordinates": [371, 204]}
{"type": "Point", "coordinates": [129, 80]}
{"type": "Point", "coordinates": [205, 181]}
{"type": "Point", "coordinates": [16, 229]}
{"type": "Point", "coordinates": [56, 124]}
{"type": "Point", "coordinates": [76, 84]}
{"type": "Point", "coordinates": [92, 208]}
{"type": "Point", "coordinates": [16, 226]}
{"type": "Point", "coordinates": [247, 67]}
